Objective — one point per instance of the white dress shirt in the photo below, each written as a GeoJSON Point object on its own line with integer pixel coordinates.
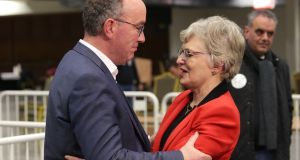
{"type": "Point", "coordinates": [108, 63]}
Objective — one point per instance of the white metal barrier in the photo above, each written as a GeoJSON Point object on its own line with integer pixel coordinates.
{"type": "Point", "coordinates": [165, 101]}
{"type": "Point", "coordinates": [22, 121]}
{"type": "Point", "coordinates": [22, 138]}
{"type": "Point", "coordinates": [28, 146]}
{"type": "Point", "coordinates": [27, 103]}
{"type": "Point", "coordinates": [18, 109]}
{"type": "Point", "coordinates": [140, 103]}
{"type": "Point", "coordinates": [296, 100]}
{"type": "Point", "coordinates": [22, 147]}
{"type": "Point", "coordinates": [31, 106]}
{"type": "Point", "coordinates": [25, 124]}
{"type": "Point", "coordinates": [23, 105]}
{"type": "Point", "coordinates": [295, 148]}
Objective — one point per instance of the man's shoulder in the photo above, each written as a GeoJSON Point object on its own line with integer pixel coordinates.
{"type": "Point", "coordinates": [279, 61]}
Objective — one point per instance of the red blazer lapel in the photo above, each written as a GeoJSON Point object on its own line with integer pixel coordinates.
{"type": "Point", "coordinates": [179, 132]}
{"type": "Point", "coordinates": [178, 104]}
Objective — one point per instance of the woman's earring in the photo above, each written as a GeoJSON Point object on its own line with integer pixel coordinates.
{"type": "Point", "coordinates": [213, 73]}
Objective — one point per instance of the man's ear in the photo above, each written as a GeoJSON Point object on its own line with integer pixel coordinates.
{"type": "Point", "coordinates": [246, 30]}
{"type": "Point", "coordinates": [109, 27]}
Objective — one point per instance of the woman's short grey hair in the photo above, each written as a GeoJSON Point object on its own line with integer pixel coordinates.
{"type": "Point", "coordinates": [95, 13]}
{"type": "Point", "coordinates": [223, 39]}
{"type": "Point", "coordinates": [265, 13]}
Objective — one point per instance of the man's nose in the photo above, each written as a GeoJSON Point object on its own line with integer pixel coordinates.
{"type": "Point", "coordinates": [142, 38]}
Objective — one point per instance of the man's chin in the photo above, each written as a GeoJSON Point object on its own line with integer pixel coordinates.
{"type": "Point", "coordinates": [130, 57]}
{"type": "Point", "coordinates": [262, 51]}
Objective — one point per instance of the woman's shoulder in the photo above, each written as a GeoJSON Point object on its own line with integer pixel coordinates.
{"type": "Point", "coordinates": [222, 104]}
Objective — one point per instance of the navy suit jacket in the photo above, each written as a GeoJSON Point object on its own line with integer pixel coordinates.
{"type": "Point", "coordinates": [88, 115]}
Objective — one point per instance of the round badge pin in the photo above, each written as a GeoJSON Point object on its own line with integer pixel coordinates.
{"type": "Point", "coordinates": [239, 81]}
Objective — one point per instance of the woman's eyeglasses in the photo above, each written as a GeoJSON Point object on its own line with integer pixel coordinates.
{"type": "Point", "coordinates": [186, 53]}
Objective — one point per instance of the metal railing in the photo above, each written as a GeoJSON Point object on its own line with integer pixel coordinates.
{"type": "Point", "coordinates": [296, 101]}
{"type": "Point", "coordinates": [35, 130]}
{"type": "Point", "coordinates": [166, 100]}
{"type": "Point", "coordinates": [31, 106]}
{"type": "Point", "coordinates": [140, 103]}
{"type": "Point", "coordinates": [29, 146]}
{"type": "Point", "coordinates": [18, 111]}
{"type": "Point", "coordinates": [22, 121]}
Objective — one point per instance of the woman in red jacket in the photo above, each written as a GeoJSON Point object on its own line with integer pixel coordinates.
{"type": "Point", "coordinates": [211, 54]}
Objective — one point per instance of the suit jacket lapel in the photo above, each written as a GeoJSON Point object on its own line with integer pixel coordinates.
{"type": "Point", "coordinates": [135, 121]}
{"type": "Point", "coordinates": [82, 49]}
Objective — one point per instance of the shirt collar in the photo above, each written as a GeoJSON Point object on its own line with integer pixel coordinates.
{"type": "Point", "coordinates": [108, 63]}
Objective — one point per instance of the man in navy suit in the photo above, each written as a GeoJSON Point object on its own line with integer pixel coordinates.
{"type": "Point", "coordinates": [88, 115]}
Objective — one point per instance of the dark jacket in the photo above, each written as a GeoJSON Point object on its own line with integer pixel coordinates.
{"type": "Point", "coordinates": [246, 100]}
{"type": "Point", "coordinates": [128, 74]}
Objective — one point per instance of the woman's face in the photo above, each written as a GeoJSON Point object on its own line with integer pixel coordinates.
{"type": "Point", "coordinates": [195, 63]}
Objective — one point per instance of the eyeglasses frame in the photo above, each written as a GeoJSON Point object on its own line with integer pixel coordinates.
{"type": "Point", "coordinates": [187, 53]}
{"type": "Point", "coordinates": [140, 28]}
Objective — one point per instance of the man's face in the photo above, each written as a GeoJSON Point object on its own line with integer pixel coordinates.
{"type": "Point", "coordinates": [260, 35]}
{"type": "Point", "coordinates": [130, 30]}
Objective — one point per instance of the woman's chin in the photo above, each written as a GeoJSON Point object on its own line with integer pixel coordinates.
{"type": "Point", "coordinates": [184, 84]}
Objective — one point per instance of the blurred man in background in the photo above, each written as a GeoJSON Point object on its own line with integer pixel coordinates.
{"type": "Point", "coordinates": [262, 93]}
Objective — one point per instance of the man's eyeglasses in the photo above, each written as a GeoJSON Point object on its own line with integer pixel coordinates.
{"type": "Point", "coordinates": [260, 32]}
{"type": "Point", "coordinates": [186, 53]}
{"type": "Point", "coordinates": [140, 28]}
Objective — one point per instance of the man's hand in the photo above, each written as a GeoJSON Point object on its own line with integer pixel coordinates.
{"type": "Point", "coordinates": [191, 153]}
{"type": "Point", "coordinates": [67, 157]}
{"type": "Point", "coordinates": [188, 150]}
